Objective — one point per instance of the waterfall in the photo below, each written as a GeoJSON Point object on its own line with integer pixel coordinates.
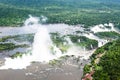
{"type": "Point", "coordinates": [43, 47]}
{"type": "Point", "coordinates": [40, 48]}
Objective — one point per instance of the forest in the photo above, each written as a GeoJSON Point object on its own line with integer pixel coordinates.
{"type": "Point", "coordinates": [105, 62]}
{"type": "Point", "coordinates": [86, 12]}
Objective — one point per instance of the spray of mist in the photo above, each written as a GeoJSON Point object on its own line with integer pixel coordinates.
{"type": "Point", "coordinates": [40, 51]}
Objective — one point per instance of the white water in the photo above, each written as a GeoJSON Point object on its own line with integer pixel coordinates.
{"type": "Point", "coordinates": [40, 51]}
{"type": "Point", "coordinates": [41, 47]}
{"type": "Point", "coordinates": [42, 42]}
{"type": "Point", "coordinates": [101, 42]}
{"type": "Point", "coordinates": [102, 28]}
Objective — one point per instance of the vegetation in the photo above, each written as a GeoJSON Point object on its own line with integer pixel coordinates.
{"type": "Point", "coordinates": [10, 46]}
{"type": "Point", "coordinates": [18, 38]}
{"type": "Point", "coordinates": [84, 41]}
{"type": "Point", "coordinates": [5, 38]}
{"type": "Point", "coordinates": [7, 46]}
{"type": "Point", "coordinates": [54, 62]}
{"type": "Point", "coordinates": [87, 12]}
{"type": "Point", "coordinates": [105, 62]}
{"type": "Point", "coordinates": [6, 41]}
{"type": "Point", "coordinates": [59, 41]}
{"type": "Point", "coordinates": [18, 54]}
{"type": "Point", "coordinates": [60, 61]}
{"type": "Point", "coordinates": [87, 69]}
{"type": "Point", "coordinates": [108, 35]}
{"type": "Point", "coordinates": [24, 37]}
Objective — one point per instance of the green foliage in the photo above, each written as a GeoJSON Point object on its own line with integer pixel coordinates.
{"type": "Point", "coordinates": [54, 62]}
{"type": "Point", "coordinates": [7, 46]}
{"type": "Point", "coordinates": [87, 69]}
{"type": "Point", "coordinates": [102, 49]}
{"type": "Point", "coordinates": [87, 12]}
{"type": "Point", "coordinates": [10, 46]}
{"type": "Point", "coordinates": [117, 25]}
{"type": "Point", "coordinates": [108, 35]}
{"type": "Point", "coordinates": [64, 48]}
{"type": "Point", "coordinates": [3, 39]}
{"type": "Point", "coordinates": [100, 75]}
{"type": "Point", "coordinates": [18, 54]}
{"type": "Point", "coordinates": [84, 41]}
{"type": "Point", "coordinates": [97, 67]}
{"type": "Point", "coordinates": [108, 67]}
{"type": "Point", "coordinates": [59, 40]}
{"type": "Point", "coordinates": [18, 38]}
{"type": "Point", "coordinates": [24, 37]}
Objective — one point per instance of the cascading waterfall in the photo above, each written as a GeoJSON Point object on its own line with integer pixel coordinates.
{"type": "Point", "coordinates": [41, 49]}
{"type": "Point", "coordinates": [41, 46]}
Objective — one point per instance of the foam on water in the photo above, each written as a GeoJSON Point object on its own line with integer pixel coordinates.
{"type": "Point", "coordinates": [101, 42]}
{"type": "Point", "coordinates": [102, 28]}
